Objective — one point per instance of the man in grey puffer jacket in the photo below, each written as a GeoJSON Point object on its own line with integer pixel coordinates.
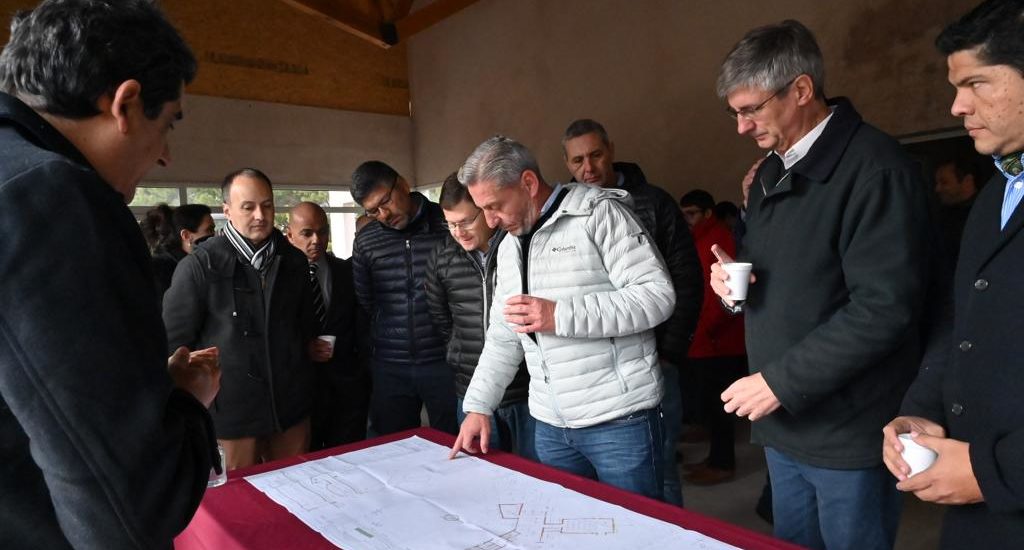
{"type": "Point", "coordinates": [579, 292]}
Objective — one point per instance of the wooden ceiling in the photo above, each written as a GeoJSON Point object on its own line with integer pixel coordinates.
{"type": "Point", "coordinates": [338, 54]}
{"type": "Point", "coordinates": [381, 22]}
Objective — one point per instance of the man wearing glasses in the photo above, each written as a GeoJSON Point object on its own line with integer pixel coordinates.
{"type": "Point", "coordinates": [389, 262]}
{"type": "Point", "coordinates": [460, 289]}
{"type": "Point", "coordinates": [837, 233]}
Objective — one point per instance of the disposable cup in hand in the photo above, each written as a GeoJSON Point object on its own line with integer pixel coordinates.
{"type": "Point", "coordinates": [917, 456]}
{"type": "Point", "coordinates": [330, 340]}
{"type": "Point", "coordinates": [739, 279]}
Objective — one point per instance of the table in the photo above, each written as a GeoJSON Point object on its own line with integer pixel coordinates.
{"type": "Point", "coordinates": [237, 516]}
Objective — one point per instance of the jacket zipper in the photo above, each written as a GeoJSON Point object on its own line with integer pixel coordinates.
{"type": "Point", "coordinates": [266, 351]}
{"type": "Point", "coordinates": [410, 290]}
{"type": "Point", "coordinates": [540, 349]}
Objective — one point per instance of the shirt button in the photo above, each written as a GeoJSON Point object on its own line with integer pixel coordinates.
{"type": "Point", "coordinates": [966, 346]}
{"type": "Point", "coordinates": [980, 284]}
{"type": "Point", "coordinates": [957, 409]}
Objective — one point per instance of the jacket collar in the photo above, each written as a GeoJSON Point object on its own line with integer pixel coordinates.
{"type": "Point", "coordinates": [427, 217]}
{"type": "Point", "coordinates": [37, 129]}
{"type": "Point", "coordinates": [633, 177]}
{"type": "Point", "coordinates": [827, 151]}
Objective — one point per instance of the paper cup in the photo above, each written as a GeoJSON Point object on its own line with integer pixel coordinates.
{"type": "Point", "coordinates": [739, 279]}
{"type": "Point", "coordinates": [330, 339]}
{"type": "Point", "coordinates": [919, 458]}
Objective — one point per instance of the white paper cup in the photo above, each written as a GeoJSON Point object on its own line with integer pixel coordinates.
{"type": "Point", "coordinates": [919, 458]}
{"type": "Point", "coordinates": [330, 339]}
{"type": "Point", "coordinates": [739, 279]}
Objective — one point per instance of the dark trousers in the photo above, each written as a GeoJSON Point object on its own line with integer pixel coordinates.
{"type": "Point", "coordinates": [400, 392]}
{"type": "Point", "coordinates": [341, 403]}
{"type": "Point", "coordinates": [714, 375]}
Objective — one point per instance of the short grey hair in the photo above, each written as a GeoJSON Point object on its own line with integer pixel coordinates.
{"type": "Point", "coordinates": [772, 56]}
{"type": "Point", "coordinates": [501, 160]}
{"type": "Point", "coordinates": [583, 127]}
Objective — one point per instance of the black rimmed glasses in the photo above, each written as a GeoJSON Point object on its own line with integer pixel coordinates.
{"type": "Point", "coordinates": [375, 211]}
{"type": "Point", "coordinates": [463, 225]}
{"type": "Point", "coordinates": [750, 113]}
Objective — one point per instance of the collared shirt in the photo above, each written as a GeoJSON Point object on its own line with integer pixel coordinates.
{"type": "Point", "coordinates": [551, 199]}
{"type": "Point", "coordinates": [800, 149]}
{"type": "Point", "coordinates": [323, 275]}
{"type": "Point", "coordinates": [1012, 194]}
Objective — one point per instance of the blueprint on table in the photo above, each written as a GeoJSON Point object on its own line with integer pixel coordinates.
{"type": "Point", "coordinates": [408, 495]}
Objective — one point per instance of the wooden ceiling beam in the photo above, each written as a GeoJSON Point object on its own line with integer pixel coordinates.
{"type": "Point", "coordinates": [344, 17]}
{"type": "Point", "coordinates": [429, 16]}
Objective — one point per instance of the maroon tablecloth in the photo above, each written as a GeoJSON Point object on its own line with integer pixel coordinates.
{"type": "Point", "coordinates": [237, 516]}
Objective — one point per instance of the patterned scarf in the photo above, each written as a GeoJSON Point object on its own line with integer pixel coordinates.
{"type": "Point", "coordinates": [259, 259]}
{"type": "Point", "coordinates": [1010, 165]}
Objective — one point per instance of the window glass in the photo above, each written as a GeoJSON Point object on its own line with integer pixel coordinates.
{"type": "Point", "coordinates": [148, 197]}
{"type": "Point", "coordinates": [342, 211]}
{"type": "Point", "coordinates": [210, 196]}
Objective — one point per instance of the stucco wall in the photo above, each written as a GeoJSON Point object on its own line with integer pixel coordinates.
{"type": "Point", "coordinates": [647, 70]}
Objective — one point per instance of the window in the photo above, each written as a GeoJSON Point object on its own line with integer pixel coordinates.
{"type": "Point", "coordinates": [341, 210]}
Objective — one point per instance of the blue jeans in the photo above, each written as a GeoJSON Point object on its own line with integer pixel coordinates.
{"type": "Point", "coordinates": [672, 415]}
{"type": "Point", "coordinates": [512, 429]}
{"type": "Point", "coordinates": [624, 452]}
{"type": "Point", "coordinates": [834, 509]}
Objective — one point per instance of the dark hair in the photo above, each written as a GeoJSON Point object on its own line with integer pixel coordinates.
{"type": "Point", "coordinates": [190, 216]}
{"type": "Point", "coordinates": [65, 54]}
{"type": "Point", "coordinates": [370, 175]}
{"type": "Point", "coordinates": [994, 27]}
{"type": "Point", "coordinates": [157, 226]}
{"type": "Point", "coordinates": [186, 216]}
{"type": "Point", "coordinates": [699, 198]}
{"type": "Point", "coordinates": [726, 209]}
{"type": "Point", "coordinates": [453, 193]}
{"type": "Point", "coordinates": [225, 186]}
{"type": "Point", "coordinates": [583, 127]}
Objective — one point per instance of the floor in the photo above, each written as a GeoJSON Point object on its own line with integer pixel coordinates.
{"type": "Point", "coordinates": [734, 501]}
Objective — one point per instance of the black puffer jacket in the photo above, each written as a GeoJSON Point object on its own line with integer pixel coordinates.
{"type": "Point", "coordinates": [390, 266]}
{"type": "Point", "coordinates": [661, 218]}
{"type": "Point", "coordinates": [459, 293]}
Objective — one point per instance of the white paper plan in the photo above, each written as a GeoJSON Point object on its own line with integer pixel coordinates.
{"type": "Point", "coordinates": [407, 495]}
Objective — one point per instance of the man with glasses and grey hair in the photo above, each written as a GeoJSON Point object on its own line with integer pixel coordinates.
{"type": "Point", "coordinates": [837, 231]}
{"type": "Point", "coordinates": [389, 263]}
{"type": "Point", "coordinates": [580, 289]}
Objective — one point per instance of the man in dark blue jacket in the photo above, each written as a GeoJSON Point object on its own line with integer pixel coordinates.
{"type": "Point", "coordinates": [966, 406]}
{"type": "Point", "coordinates": [104, 442]}
{"type": "Point", "coordinates": [389, 259]}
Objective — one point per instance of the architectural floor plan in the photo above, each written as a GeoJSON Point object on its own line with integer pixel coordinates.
{"type": "Point", "coordinates": [408, 495]}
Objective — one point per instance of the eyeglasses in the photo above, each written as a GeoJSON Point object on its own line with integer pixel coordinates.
{"type": "Point", "coordinates": [464, 225]}
{"type": "Point", "coordinates": [374, 212]}
{"type": "Point", "coordinates": [750, 113]}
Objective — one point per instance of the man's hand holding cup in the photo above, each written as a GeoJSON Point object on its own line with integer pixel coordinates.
{"type": "Point", "coordinates": [729, 278]}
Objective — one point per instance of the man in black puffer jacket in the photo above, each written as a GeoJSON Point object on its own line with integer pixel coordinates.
{"type": "Point", "coordinates": [460, 285]}
{"type": "Point", "coordinates": [389, 261]}
{"type": "Point", "coordinates": [589, 157]}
